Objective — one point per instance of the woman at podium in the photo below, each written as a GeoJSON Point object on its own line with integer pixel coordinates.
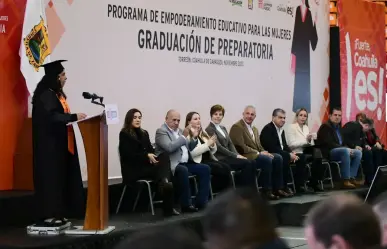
{"type": "Point", "coordinates": [56, 170]}
{"type": "Point", "coordinates": [138, 160]}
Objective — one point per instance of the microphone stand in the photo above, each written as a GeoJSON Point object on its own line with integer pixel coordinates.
{"type": "Point", "coordinates": [93, 100]}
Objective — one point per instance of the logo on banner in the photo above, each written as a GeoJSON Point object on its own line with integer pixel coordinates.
{"type": "Point", "coordinates": [236, 2]}
{"type": "Point", "coordinates": [286, 9]}
{"type": "Point", "coordinates": [37, 45]}
{"type": "Point", "coordinates": [365, 76]}
{"type": "Point", "coordinates": [265, 4]}
{"type": "Point", "coordinates": [250, 4]}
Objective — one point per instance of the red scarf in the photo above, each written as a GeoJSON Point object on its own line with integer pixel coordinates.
{"type": "Point", "coordinates": [70, 131]}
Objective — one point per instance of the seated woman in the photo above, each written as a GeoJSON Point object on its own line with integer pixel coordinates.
{"type": "Point", "coordinates": [227, 152]}
{"type": "Point", "coordinates": [204, 152]}
{"type": "Point", "coordinates": [301, 141]}
{"type": "Point", "coordinates": [138, 160]}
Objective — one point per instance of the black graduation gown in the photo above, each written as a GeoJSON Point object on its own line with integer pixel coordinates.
{"type": "Point", "coordinates": [304, 36]}
{"type": "Point", "coordinates": [57, 176]}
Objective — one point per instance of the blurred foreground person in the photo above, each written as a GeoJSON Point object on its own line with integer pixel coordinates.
{"type": "Point", "coordinates": [161, 238]}
{"type": "Point", "coordinates": [342, 222]}
{"type": "Point", "coordinates": [380, 208]}
{"type": "Point", "coordinates": [241, 219]}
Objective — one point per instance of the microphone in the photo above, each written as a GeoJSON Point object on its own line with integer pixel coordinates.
{"type": "Point", "coordinates": [88, 95]}
{"type": "Point", "coordinates": [93, 98]}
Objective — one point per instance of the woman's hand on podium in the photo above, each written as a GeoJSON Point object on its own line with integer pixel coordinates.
{"type": "Point", "coordinates": [81, 116]}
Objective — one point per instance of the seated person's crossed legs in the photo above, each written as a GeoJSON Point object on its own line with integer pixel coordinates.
{"type": "Point", "coordinates": [181, 179]}
{"type": "Point", "coordinates": [271, 176]}
{"type": "Point", "coordinates": [369, 165]}
{"type": "Point", "coordinates": [349, 166]}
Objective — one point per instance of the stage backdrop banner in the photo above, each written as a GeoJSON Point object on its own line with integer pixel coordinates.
{"type": "Point", "coordinates": [189, 55]}
{"type": "Point", "coordinates": [13, 92]}
{"type": "Point", "coordinates": [363, 60]}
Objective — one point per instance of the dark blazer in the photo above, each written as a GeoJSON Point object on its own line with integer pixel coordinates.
{"type": "Point", "coordinates": [353, 135]}
{"type": "Point", "coordinates": [327, 138]}
{"type": "Point", "coordinates": [134, 154]}
{"type": "Point", "coordinates": [225, 146]}
{"type": "Point", "coordinates": [270, 140]}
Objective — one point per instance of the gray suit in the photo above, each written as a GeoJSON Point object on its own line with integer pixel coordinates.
{"type": "Point", "coordinates": [166, 142]}
{"type": "Point", "coordinates": [226, 148]}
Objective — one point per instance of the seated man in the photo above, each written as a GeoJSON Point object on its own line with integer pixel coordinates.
{"type": "Point", "coordinates": [372, 139]}
{"type": "Point", "coordinates": [245, 138]}
{"type": "Point", "coordinates": [170, 140]}
{"type": "Point", "coordinates": [330, 141]}
{"type": "Point", "coordinates": [273, 140]}
{"type": "Point", "coordinates": [354, 138]}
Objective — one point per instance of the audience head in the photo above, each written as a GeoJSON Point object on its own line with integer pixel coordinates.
{"type": "Point", "coordinates": [172, 119]}
{"type": "Point", "coordinates": [249, 114]}
{"type": "Point", "coordinates": [217, 114]}
{"type": "Point", "coordinates": [279, 117]}
{"type": "Point", "coordinates": [162, 237]}
{"type": "Point", "coordinates": [366, 124]}
{"type": "Point", "coordinates": [301, 116]}
{"type": "Point", "coordinates": [239, 219]}
{"type": "Point", "coordinates": [193, 119]}
{"type": "Point", "coordinates": [132, 120]}
{"type": "Point", "coordinates": [335, 115]}
{"type": "Point", "coordinates": [380, 208]}
{"type": "Point", "coordinates": [342, 222]}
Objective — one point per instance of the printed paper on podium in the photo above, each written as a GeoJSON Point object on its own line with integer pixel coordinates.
{"type": "Point", "coordinates": [111, 112]}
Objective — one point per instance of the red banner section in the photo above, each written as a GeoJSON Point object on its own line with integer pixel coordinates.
{"type": "Point", "coordinates": [13, 94]}
{"type": "Point", "coordinates": [363, 60]}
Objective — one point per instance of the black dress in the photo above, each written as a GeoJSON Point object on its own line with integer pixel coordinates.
{"type": "Point", "coordinates": [135, 165]}
{"type": "Point", "coordinates": [56, 172]}
{"type": "Point", "coordinates": [304, 37]}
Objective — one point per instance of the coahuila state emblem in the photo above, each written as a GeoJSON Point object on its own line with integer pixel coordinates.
{"type": "Point", "coordinates": [37, 45]}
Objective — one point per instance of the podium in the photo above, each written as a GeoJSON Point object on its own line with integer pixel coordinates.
{"type": "Point", "coordinates": [94, 134]}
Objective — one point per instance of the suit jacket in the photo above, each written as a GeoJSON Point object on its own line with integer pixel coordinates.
{"type": "Point", "coordinates": [197, 148]}
{"type": "Point", "coordinates": [244, 142]}
{"type": "Point", "coordinates": [225, 146]}
{"type": "Point", "coordinates": [296, 137]}
{"type": "Point", "coordinates": [270, 140]}
{"type": "Point", "coordinates": [327, 138]}
{"type": "Point", "coordinates": [133, 154]}
{"type": "Point", "coordinates": [353, 135]}
{"type": "Point", "coordinates": [166, 142]}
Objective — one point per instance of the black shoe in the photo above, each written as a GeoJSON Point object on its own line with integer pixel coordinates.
{"type": "Point", "coordinates": [303, 190]}
{"type": "Point", "coordinates": [171, 213]}
{"type": "Point", "coordinates": [189, 209]}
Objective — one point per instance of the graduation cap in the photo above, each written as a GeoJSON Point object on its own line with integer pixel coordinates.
{"type": "Point", "coordinates": [53, 68]}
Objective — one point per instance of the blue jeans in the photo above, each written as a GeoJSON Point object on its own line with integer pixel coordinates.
{"type": "Point", "coordinates": [271, 171]}
{"type": "Point", "coordinates": [349, 163]}
{"type": "Point", "coordinates": [202, 171]}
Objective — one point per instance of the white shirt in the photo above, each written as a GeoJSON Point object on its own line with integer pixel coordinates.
{"type": "Point", "coordinates": [279, 133]}
{"type": "Point", "coordinates": [219, 129]}
{"type": "Point", "coordinates": [250, 128]}
{"type": "Point", "coordinates": [184, 156]}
